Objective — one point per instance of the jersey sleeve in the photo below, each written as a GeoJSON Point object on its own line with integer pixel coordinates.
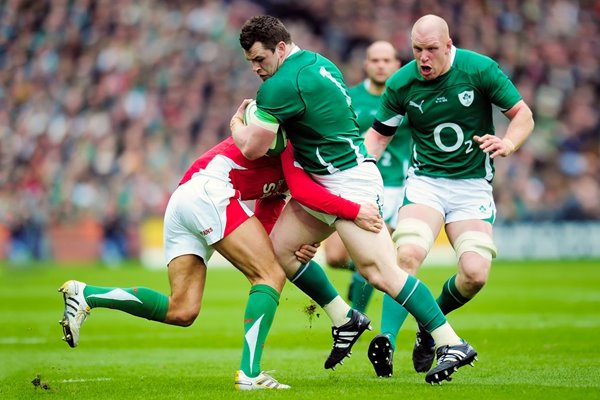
{"type": "Point", "coordinates": [501, 91]}
{"type": "Point", "coordinates": [267, 210]}
{"type": "Point", "coordinates": [389, 113]}
{"type": "Point", "coordinates": [312, 195]}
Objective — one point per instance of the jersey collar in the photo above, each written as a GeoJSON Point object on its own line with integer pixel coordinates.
{"type": "Point", "coordinates": [452, 55]}
{"type": "Point", "coordinates": [295, 50]}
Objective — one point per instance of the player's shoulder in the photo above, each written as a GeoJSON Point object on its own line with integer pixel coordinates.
{"type": "Point", "coordinates": [404, 77]}
{"type": "Point", "coordinates": [278, 81]}
{"type": "Point", "coordinates": [303, 66]}
{"type": "Point", "coordinates": [275, 89]}
{"type": "Point", "coordinates": [298, 61]}
{"type": "Point", "coordinates": [287, 75]}
{"type": "Point", "coordinates": [225, 148]}
{"type": "Point", "coordinates": [316, 63]}
{"type": "Point", "coordinates": [470, 60]}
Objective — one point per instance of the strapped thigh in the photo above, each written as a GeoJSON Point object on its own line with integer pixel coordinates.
{"type": "Point", "coordinates": [476, 241]}
{"type": "Point", "coordinates": [413, 231]}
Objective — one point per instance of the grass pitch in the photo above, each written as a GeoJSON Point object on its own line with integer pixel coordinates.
{"type": "Point", "coordinates": [536, 327]}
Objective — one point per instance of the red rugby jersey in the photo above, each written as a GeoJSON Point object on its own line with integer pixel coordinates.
{"type": "Point", "coordinates": [267, 179]}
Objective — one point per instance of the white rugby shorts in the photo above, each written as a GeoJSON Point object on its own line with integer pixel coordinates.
{"type": "Point", "coordinates": [455, 199]}
{"type": "Point", "coordinates": [361, 184]}
{"type": "Point", "coordinates": [201, 212]}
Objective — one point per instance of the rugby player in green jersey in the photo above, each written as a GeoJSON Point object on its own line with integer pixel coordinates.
{"type": "Point", "coordinates": [306, 94]}
{"type": "Point", "coordinates": [380, 63]}
{"type": "Point", "coordinates": [447, 95]}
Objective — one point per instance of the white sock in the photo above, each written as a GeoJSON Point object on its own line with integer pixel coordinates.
{"type": "Point", "coordinates": [445, 336]}
{"type": "Point", "coordinates": [337, 310]}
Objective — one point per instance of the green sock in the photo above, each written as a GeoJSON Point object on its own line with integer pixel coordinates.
{"type": "Point", "coordinates": [351, 266]}
{"type": "Point", "coordinates": [138, 301]}
{"type": "Point", "coordinates": [311, 279]}
{"type": "Point", "coordinates": [260, 311]}
{"type": "Point", "coordinates": [450, 299]}
{"type": "Point", "coordinates": [361, 292]}
{"type": "Point", "coordinates": [392, 318]}
{"type": "Point", "coordinates": [417, 299]}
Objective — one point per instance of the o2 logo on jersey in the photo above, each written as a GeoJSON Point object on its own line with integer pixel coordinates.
{"type": "Point", "coordinates": [386, 159]}
{"type": "Point", "coordinates": [460, 138]}
{"type": "Point", "coordinates": [272, 188]}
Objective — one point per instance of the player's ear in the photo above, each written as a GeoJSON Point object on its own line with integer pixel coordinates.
{"type": "Point", "coordinates": [281, 48]}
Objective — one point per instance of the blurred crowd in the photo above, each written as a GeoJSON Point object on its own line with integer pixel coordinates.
{"type": "Point", "coordinates": [104, 104]}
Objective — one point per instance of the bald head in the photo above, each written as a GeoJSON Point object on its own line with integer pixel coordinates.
{"type": "Point", "coordinates": [381, 62]}
{"type": "Point", "coordinates": [381, 47]}
{"type": "Point", "coordinates": [431, 26]}
{"type": "Point", "coordinates": [432, 46]}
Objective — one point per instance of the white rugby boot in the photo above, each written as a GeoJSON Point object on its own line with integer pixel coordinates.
{"type": "Point", "coordinates": [76, 311]}
{"type": "Point", "coordinates": [262, 381]}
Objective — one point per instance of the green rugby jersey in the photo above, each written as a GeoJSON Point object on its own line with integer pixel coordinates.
{"type": "Point", "coordinates": [309, 98]}
{"type": "Point", "coordinates": [445, 113]}
{"type": "Point", "coordinates": [394, 161]}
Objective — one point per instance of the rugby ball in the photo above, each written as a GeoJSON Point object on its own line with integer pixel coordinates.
{"type": "Point", "coordinates": [279, 143]}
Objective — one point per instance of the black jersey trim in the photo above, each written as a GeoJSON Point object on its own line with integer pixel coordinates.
{"type": "Point", "coordinates": [384, 129]}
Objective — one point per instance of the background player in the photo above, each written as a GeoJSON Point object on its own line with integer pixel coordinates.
{"type": "Point", "coordinates": [447, 94]}
{"type": "Point", "coordinates": [380, 63]}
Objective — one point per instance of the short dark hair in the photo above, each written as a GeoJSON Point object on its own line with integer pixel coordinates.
{"type": "Point", "coordinates": [265, 29]}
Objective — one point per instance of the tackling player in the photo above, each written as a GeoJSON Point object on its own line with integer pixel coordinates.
{"type": "Point", "coordinates": [205, 213]}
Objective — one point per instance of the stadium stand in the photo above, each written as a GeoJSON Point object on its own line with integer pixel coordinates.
{"type": "Point", "coordinates": [103, 104]}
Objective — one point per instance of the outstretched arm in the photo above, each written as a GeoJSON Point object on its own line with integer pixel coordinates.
{"type": "Point", "coordinates": [312, 195]}
{"type": "Point", "coordinates": [252, 140]}
{"type": "Point", "coordinates": [376, 143]}
{"type": "Point", "coordinates": [518, 130]}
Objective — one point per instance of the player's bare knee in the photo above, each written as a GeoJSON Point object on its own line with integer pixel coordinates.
{"type": "Point", "coordinates": [275, 278]}
{"type": "Point", "coordinates": [473, 273]}
{"type": "Point", "coordinates": [272, 275]}
{"type": "Point", "coordinates": [283, 267]}
{"type": "Point", "coordinates": [278, 275]}
{"type": "Point", "coordinates": [413, 239]}
{"type": "Point", "coordinates": [409, 258]}
{"type": "Point", "coordinates": [377, 282]}
{"type": "Point", "coordinates": [375, 278]}
{"type": "Point", "coordinates": [287, 260]}
{"type": "Point", "coordinates": [470, 286]}
{"type": "Point", "coordinates": [336, 260]}
{"type": "Point", "coordinates": [183, 315]}
{"type": "Point", "coordinates": [475, 286]}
